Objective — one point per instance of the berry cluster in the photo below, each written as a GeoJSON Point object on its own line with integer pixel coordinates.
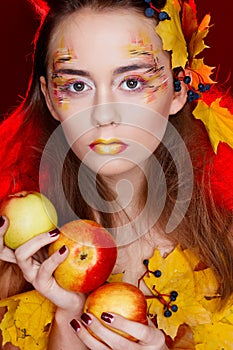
{"type": "Point", "coordinates": [192, 93]}
{"type": "Point", "coordinates": [165, 299]}
{"type": "Point", "coordinates": [150, 11]}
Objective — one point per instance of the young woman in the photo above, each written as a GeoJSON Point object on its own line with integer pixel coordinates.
{"type": "Point", "coordinates": [107, 135]}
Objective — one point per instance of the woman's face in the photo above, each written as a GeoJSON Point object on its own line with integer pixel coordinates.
{"type": "Point", "coordinates": [111, 86]}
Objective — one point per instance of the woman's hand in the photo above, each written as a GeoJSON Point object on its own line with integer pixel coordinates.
{"type": "Point", "coordinates": [6, 254]}
{"type": "Point", "coordinates": [38, 270]}
{"type": "Point", "coordinates": [149, 337]}
{"type": "Point", "coordinates": [40, 274]}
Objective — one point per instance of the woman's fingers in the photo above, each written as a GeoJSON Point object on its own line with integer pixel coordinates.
{"type": "Point", "coordinates": [100, 337]}
{"type": "Point", "coordinates": [149, 337]}
{"type": "Point", "coordinates": [40, 275]}
{"type": "Point", "coordinates": [28, 249]}
{"type": "Point", "coordinates": [24, 255]}
{"type": "Point", "coordinates": [90, 341]}
{"type": "Point", "coordinates": [146, 334]}
{"type": "Point", "coordinates": [6, 254]}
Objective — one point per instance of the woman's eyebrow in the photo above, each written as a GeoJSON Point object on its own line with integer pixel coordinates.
{"type": "Point", "coordinates": [125, 69]}
{"type": "Point", "coordinates": [119, 70]}
{"type": "Point", "coordinates": [70, 71]}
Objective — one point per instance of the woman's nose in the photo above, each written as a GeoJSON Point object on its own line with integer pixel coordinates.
{"type": "Point", "coordinates": [105, 114]}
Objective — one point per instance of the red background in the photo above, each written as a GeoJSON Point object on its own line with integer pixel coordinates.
{"type": "Point", "coordinates": [18, 24]}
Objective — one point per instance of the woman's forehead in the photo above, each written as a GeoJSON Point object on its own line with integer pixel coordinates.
{"type": "Point", "coordinates": [87, 29]}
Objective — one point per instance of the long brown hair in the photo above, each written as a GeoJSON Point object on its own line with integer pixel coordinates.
{"type": "Point", "coordinates": [204, 226]}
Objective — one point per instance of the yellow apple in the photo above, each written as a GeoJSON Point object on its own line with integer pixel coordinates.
{"type": "Point", "coordinates": [29, 214]}
{"type": "Point", "coordinates": [119, 298]}
{"type": "Point", "coordinates": [92, 255]}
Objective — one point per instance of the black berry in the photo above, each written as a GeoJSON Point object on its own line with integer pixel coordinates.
{"type": "Point", "coordinates": [187, 79]}
{"type": "Point", "coordinates": [167, 313]}
{"type": "Point", "coordinates": [157, 273]}
{"type": "Point", "coordinates": [146, 262]}
{"type": "Point", "coordinates": [174, 308]}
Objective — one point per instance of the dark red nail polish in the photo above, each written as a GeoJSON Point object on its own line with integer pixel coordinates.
{"type": "Point", "coordinates": [62, 250]}
{"type": "Point", "coordinates": [54, 232]}
{"type": "Point", "coordinates": [106, 317]}
{"type": "Point", "coordinates": [2, 221]}
{"type": "Point", "coordinates": [75, 325]}
{"type": "Point", "coordinates": [86, 319]}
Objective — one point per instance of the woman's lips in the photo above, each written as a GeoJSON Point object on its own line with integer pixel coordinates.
{"type": "Point", "coordinates": [108, 146]}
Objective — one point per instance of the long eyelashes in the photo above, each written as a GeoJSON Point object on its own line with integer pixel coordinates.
{"type": "Point", "coordinates": [149, 81]}
{"type": "Point", "coordinates": [68, 84]}
{"type": "Point", "coordinates": [133, 83]}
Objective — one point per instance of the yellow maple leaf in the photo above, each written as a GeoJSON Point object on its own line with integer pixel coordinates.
{"type": "Point", "coordinates": [27, 322]}
{"type": "Point", "coordinates": [204, 289]}
{"type": "Point", "coordinates": [192, 257]}
{"type": "Point", "coordinates": [201, 275]}
{"type": "Point", "coordinates": [171, 33]}
{"type": "Point", "coordinates": [198, 317]}
{"type": "Point", "coordinates": [197, 44]}
{"type": "Point", "coordinates": [200, 69]}
{"type": "Point", "coordinates": [225, 314]}
{"type": "Point", "coordinates": [115, 277]}
{"type": "Point", "coordinates": [219, 332]}
{"type": "Point", "coordinates": [218, 122]}
{"type": "Point", "coordinates": [176, 275]}
{"type": "Point", "coordinates": [213, 336]}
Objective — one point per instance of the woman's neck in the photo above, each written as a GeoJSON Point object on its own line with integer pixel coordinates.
{"type": "Point", "coordinates": [129, 189]}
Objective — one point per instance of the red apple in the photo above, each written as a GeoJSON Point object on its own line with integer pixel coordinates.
{"type": "Point", "coordinates": [29, 214]}
{"type": "Point", "coordinates": [119, 298]}
{"type": "Point", "coordinates": [92, 256]}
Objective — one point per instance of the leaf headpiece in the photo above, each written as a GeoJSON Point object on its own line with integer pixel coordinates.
{"type": "Point", "coordinates": [183, 36]}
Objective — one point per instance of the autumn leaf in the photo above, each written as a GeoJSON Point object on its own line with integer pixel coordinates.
{"type": "Point", "coordinates": [189, 20]}
{"type": "Point", "coordinates": [176, 275]}
{"type": "Point", "coordinates": [219, 332]}
{"type": "Point", "coordinates": [116, 277]}
{"type": "Point", "coordinates": [199, 69]}
{"type": "Point", "coordinates": [27, 322]}
{"type": "Point", "coordinates": [218, 122]}
{"type": "Point", "coordinates": [202, 274]}
{"type": "Point", "coordinates": [170, 32]}
{"type": "Point", "coordinates": [197, 44]}
{"type": "Point", "coordinates": [204, 289]}
{"type": "Point", "coordinates": [225, 314]}
{"type": "Point", "coordinates": [213, 336]}
{"type": "Point", "coordinates": [184, 339]}
{"type": "Point", "coordinates": [199, 322]}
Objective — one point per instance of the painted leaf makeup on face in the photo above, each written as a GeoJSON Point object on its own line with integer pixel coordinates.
{"type": "Point", "coordinates": [69, 86]}
{"type": "Point", "coordinates": [148, 81]}
{"type": "Point", "coordinates": [63, 85]}
{"type": "Point", "coordinates": [153, 79]}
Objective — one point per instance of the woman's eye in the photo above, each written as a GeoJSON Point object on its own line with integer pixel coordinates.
{"type": "Point", "coordinates": [132, 84]}
{"type": "Point", "coordinates": [78, 86]}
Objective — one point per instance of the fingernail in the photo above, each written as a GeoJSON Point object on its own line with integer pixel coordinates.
{"type": "Point", "coordinates": [2, 221]}
{"type": "Point", "coordinates": [54, 232]}
{"type": "Point", "coordinates": [86, 319]}
{"type": "Point", "coordinates": [75, 325]}
{"type": "Point", "coordinates": [106, 317]}
{"type": "Point", "coordinates": [62, 250]}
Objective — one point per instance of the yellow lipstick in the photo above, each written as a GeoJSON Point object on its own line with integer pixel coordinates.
{"type": "Point", "coordinates": [108, 146]}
